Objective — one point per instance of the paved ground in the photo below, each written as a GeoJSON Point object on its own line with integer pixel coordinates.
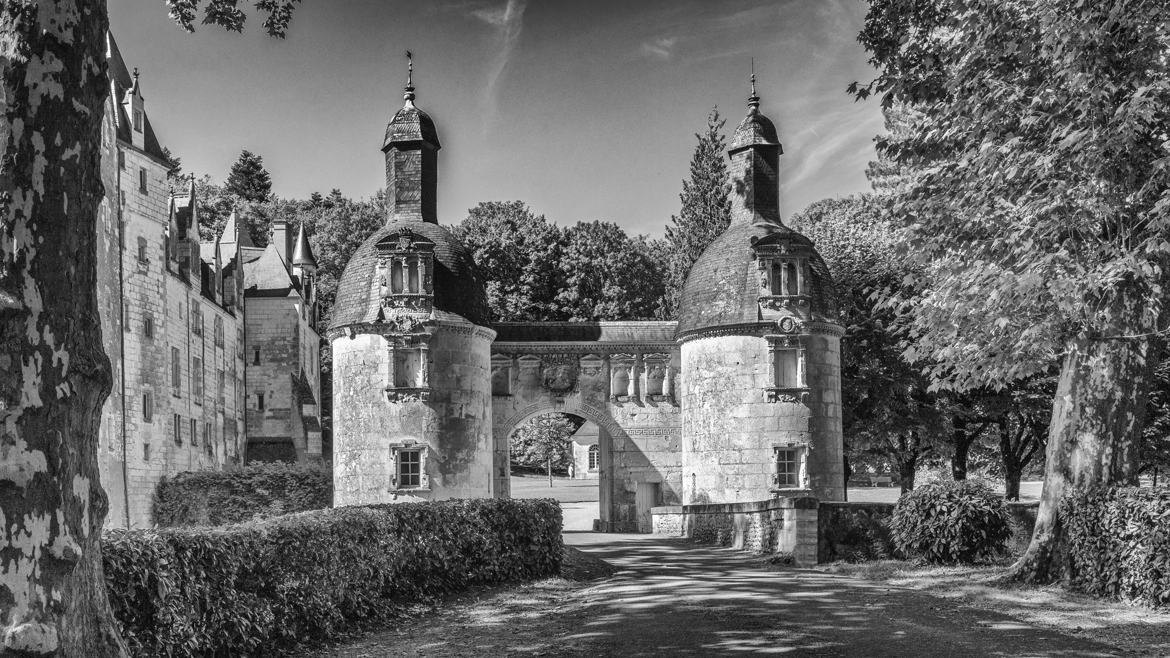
{"type": "Point", "coordinates": [671, 597]}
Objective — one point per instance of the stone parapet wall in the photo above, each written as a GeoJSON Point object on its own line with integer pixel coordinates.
{"type": "Point", "coordinates": [776, 526]}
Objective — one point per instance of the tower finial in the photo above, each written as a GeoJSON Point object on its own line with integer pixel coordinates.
{"type": "Point", "coordinates": [409, 88]}
{"type": "Point", "coordinates": [753, 100]}
{"type": "Point", "coordinates": [134, 86]}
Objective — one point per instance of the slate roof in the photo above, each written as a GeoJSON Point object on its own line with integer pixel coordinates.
{"type": "Point", "coordinates": [457, 291]}
{"type": "Point", "coordinates": [576, 332]}
{"type": "Point", "coordinates": [755, 129]}
{"type": "Point", "coordinates": [266, 275]}
{"type": "Point", "coordinates": [411, 124]}
{"type": "Point", "coordinates": [122, 79]}
{"type": "Point", "coordinates": [723, 285]}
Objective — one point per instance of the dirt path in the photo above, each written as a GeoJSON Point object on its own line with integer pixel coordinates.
{"type": "Point", "coordinates": [672, 597]}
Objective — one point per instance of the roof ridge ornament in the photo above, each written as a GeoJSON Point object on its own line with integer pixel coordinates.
{"type": "Point", "coordinates": [754, 99]}
{"type": "Point", "coordinates": [408, 90]}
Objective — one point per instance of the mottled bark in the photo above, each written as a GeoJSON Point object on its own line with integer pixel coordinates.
{"type": "Point", "coordinates": [1093, 438]}
{"type": "Point", "coordinates": [54, 375]}
{"type": "Point", "coordinates": [1018, 444]}
{"type": "Point", "coordinates": [963, 435]}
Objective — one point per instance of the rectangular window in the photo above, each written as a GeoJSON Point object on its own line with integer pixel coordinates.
{"type": "Point", "coordinates": [148, 406]}
{"type": "Point", "coordinates": [142, 250]}
{"type": "Point", "coordinates": [176, 371]}
{"type": "Point", "coordinates": [409, 469]}
{"type": "Point", "coordinates": [219, 331]}
{"type": "Point", "coordinates": [126, 317]}
{"type": "Point", "coordinates": [196, 319]}
{"type": "Point", "coordinates": [594, 458]}
{"type": "Point", "coordinates": [207, 438]}
{"type": "Point", "coordinates": [197, 379]}
{"type": "Point", "coordinates": [408, 368]}
{"type": "Point", "coordinates": [260, 401]}
{"type": "Point", "coordinates": [137, 120]}
{"type": "Point", "coordinates": [787, 467]}
{"type": "Point", "coordinates": [148, 326]}
{"type": "Point", "coordinates": [146, 452]}
{"type": "Point", "coordinates": [256, 358]}
{"type": "Point", "coordinates": [177, 428]}
{"type": "Point", "coordinates": [220, 386]}
{"type": "Point", "coordinates": [789, 368]}
{"type": "Point", "coordinates": [194, 429]}
{"type": "Point", "coordinates": [121, 159]}
{"type": "Point", "coordinates": [142, 180]}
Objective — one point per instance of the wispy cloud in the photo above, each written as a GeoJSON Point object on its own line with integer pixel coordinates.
{"type": "Point", "coordinates": [508, 21]}
{"type": "Point", "coordinates": [660, 48]}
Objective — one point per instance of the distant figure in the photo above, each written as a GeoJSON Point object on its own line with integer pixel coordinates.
{"type": "Point", "coordinates": [571, 470]}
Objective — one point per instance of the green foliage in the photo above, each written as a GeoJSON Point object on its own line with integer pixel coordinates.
{"type": "Point", "coordinates": [951, 522]}
{"type": "Point", "coordinates": [607, 275]}
{"type": "Point", "coordinates": [226, 14]}
{"type": "Point", "coordinates": [1119, 543]}
{"type": "Point", "coordinates": [274, 584]}
{"type": "Point", "coordinates": [248, 179]}
{"type": "Point", "coordinates": [543, 438]}
{"type": "Point", "coordinates": [1036, 208]}
{"type": "Point", "coordinates": [889, 412]}
{"type": "Point", "coordinates": [706, 209]}
{"type": "Point", "coordinates": [516, 253]}
{"type": "Point", "coordinates": [255, 491]}
{"type": "Point", "coordinates": [854, 532]}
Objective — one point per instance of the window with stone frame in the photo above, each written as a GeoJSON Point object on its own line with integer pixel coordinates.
{"type": "Point", "coordinates": [177, 428]}
{"type": "Point", "coordinates": [410, 473]}
{"type": "Point", "coordinates": [409, 377]}
{"type": "Point", "coordinates": [218, 331]}
{"type": "Point", "coordinates": [594, 458]}
{"type": "Point", "coordinates": [197, 379]}
{"type": "Point", "coordinates": [143, 251]}
{"type": "Point", "coordinates": [148, 326]}
{"type": "Point", "coordinates": [148, 407]}
{"type": "Point", "coordinates": [207, 440]}
{"type": "Point", "coordinates": [788, 368]}
{"type": "Point", "coordinates": [194, 432]}
{"type": "Point", "coordinates": [176, 372]}
{"type": "Point", "coordinates": [788, 467]}
{"type": "Point", "coordinates": [142, 180]}
{"type": "Point", "coordinates": [501, 376]}
{"type": "Point", "coordinates": [196, 319]}
{"type": "Point", "coordinates": [220, 387]}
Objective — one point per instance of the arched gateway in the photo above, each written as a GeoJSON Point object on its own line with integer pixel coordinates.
{"type": "Point", "coordinates": [623, 376]}
{"type": "Point", "coordinates": [738, 402]}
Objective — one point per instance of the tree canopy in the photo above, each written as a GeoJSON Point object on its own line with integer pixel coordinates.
{"type": "Point", "coordinates": [248, 179]}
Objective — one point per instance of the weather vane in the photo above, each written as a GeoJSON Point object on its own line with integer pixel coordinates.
{"type": "Point", "coordinates": [409, 69]}
{"type": "Point", "coordinates": [753, 76]}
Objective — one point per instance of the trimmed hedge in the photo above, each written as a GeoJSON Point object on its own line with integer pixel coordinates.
{"type": "Point", "coordinates": [951, 522]}
{"type": "Point", "coordinates": [264, 587]}
{"type": "Point", "coordinates": [254, 492]}
{"type": "Point", "coordinates": [1118, 543]}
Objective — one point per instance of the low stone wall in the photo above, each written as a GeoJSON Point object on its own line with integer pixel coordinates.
{"type": "Point", "coordinates": [813, 532]}
{"type": "Point", "coordinates": [854, 531]}
{"type": "Point", "coordinates": [778, 526]}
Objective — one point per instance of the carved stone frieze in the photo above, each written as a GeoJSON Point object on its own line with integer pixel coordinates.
{"type": "Point", "coordinates": [791, 395]}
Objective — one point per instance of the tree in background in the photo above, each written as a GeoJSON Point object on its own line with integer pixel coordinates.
{"type": "Point", "coordinates": [52, 593]}
{"type": "Point", "coordinates": [248, 179]}
{"type": "Point", "coordinates": [607, 275]}
{"type": "Point", "coordinates": [517, 254]}
{"type": "Point", "coordinates": [890, 415]}
{"type": "Point", "coordinates": [544, 442]}
{"type": "Point", "coordinates": [1037, 213]}
{"type": "Point", "coordinates": [705, 213]}
{"type": "Point", "coordinates": [175, 173]}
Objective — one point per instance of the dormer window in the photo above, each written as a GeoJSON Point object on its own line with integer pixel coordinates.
{"type": "Point", "coordinates": [406, 272]}
{"type": "Point", "coordinates": [138, 120]}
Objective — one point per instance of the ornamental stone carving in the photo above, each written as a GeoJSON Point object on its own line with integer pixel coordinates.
{"type": "Point", "coordinates": [560, 373]}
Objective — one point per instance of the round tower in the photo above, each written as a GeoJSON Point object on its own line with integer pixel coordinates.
{"type": "Point", "coordinates": [760, 343]}
{"type": "Point", "coordinates": [411, 346]}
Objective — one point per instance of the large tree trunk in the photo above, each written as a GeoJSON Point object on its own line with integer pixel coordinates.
{"type": "Point", "coordinates": [1093, 438]}
{"type": "Point", "coordinates": [910, 448]}
{"type": "Point", "coordinates": [54, 375]}
{"type": "Point", "coordinates": [962, 448]}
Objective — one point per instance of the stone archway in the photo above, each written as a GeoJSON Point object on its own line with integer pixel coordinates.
{"type": "Point", "coordinates": [572, 368]}
{"type": "Point", "coordinates": [609, 429]}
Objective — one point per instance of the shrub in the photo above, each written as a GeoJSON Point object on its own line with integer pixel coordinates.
{"type": "Point", "coordinates": [951, 522]}
{"type": "Point", "coordinates": [269, 585]}
{"type": "Point", "coordinates": [1118, 543]}
{"type": "Point", "coordinates": [854, 532]}
{"type": "Point", "coordinates": [253, 492]}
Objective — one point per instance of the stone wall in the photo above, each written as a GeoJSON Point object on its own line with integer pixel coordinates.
{"type": "Point", "coordinates": [785, 526]}
{"type": "Point", "coordinates": [141, 290]}
{"type": "Point", "coordinates": [454, 423]}
{"type": "Point", "coordinates": [730, 427]}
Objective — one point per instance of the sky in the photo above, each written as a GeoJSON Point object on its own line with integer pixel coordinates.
{"type": "Point", "coordinates": [583, 110]}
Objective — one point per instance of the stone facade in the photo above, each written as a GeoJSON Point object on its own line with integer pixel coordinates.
{"type": "Point", "coordinates": [586, 449]}
{"type": "Point", "coordinates": [784, 526]}
{"type": "Point", "coordinates": [170, 333]}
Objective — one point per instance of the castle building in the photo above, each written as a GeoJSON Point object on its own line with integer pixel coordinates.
{"type": "Point", "coordinates": [172, 319]}
{"type": "Point", "coordinates": [739, 401]}
{"type": "Point", "coordinates": [411, 347]}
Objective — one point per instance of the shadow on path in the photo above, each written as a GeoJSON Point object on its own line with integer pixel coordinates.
{"type": "Point", "coordinates": [674, 597]}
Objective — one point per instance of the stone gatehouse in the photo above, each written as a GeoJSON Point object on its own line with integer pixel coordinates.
{"type": "Point", "coordinates": [739, 401]}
